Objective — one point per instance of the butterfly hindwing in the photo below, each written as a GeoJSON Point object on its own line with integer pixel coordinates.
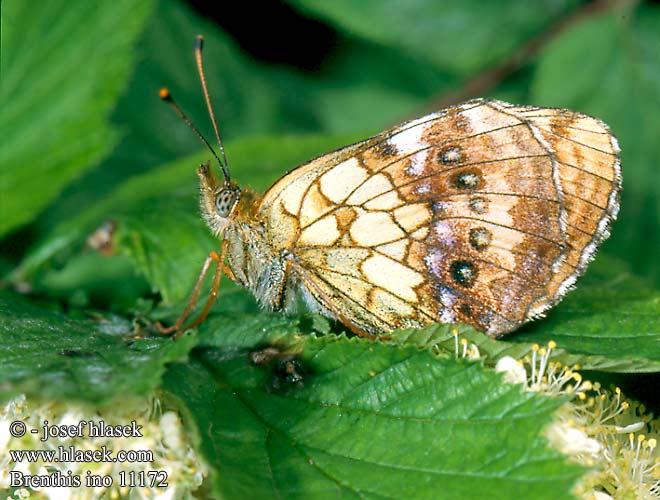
{"type": "Point", "coordinates": [483, 213]}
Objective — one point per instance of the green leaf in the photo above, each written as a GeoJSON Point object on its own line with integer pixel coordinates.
{"type": "Point", "coordinates": [63, 67]}
{"type": "Point", "coordinates": [360, 418]}
{"type": "Point", "coordinates": [608, 67]}
{"type": "Point", "coordinates": [53, 355]}
{"type": "Point", "coordinates": [247, 104]}
{"type": "Point", "coordinates": [449, 339]}
{"type": "Point", "coordinates": [91, 279]}
{"type": "Point", "coordinates": [458, 36]}
{"type": "Point", "coordinates": [152, 133]}
{"type": "Point", "coordinates": [368, 87]}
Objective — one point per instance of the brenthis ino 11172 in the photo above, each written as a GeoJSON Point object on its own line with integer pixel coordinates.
{"type": "Point", "coordinates": [483, 213]}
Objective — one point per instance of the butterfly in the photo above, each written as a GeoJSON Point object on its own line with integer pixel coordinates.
{"type": "Point", "coordinates": [484, 213]}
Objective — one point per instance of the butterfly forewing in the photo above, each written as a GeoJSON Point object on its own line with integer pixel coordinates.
{"type": "Point", "coordinates": [484, 213]}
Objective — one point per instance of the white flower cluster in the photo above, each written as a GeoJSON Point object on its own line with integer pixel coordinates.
{"type": "Point", "coordinates": [162, 434]}
{"type": "Point", "coordinates": [596, 428]}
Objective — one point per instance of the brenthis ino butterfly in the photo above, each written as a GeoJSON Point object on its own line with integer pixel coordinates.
{"type": "Point", "coordinates": [483, 213]}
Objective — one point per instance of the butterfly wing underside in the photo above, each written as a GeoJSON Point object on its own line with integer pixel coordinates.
{"type": "Point", "coordinates": [484, 213]}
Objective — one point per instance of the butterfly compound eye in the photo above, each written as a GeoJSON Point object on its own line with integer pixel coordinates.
{"type": "Point", "coordinates": [225, 201]}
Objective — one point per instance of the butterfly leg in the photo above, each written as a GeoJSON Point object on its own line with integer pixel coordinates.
{"type": "Point", "coordinates": [178, 327]}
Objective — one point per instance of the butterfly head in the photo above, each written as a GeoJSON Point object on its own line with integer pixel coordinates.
{"type": "Point", "coordinates": [218, 199]}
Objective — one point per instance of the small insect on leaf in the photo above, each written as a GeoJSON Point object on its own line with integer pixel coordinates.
{"type": "Point", "coordinates": [483, 213]}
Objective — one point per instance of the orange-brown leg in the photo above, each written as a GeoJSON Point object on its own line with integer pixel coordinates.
{"type": "Point", "coordinates": [177, 328]}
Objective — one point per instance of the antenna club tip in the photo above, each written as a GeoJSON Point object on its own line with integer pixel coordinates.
{"type": "Point", "coordinates": [199, 42]}
{"type": "Point", "coordinates": [164, 94]}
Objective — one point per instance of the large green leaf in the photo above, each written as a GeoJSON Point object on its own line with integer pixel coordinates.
{"type": "Point", "coordinates": [63, 67]}
{"type": "Point", "coordinates": [368, 87]}
{"type": "Point", "coordinates": [608, 67]}
{"type": "Point", "coordinates": [152, 133]}
{"type": "Point", "coordinates": [458, 36]}
{"type": "Point", "coordinates": [361, 419]}
{"type": "Point", "coordinates": [97, 358]}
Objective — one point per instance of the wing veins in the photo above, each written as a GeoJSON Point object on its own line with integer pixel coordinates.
{"type": "Point", "coordinates": [527, 280]}
{"type": "Point", "coordinates": [614, 155]}
{"type": "Point", "coordinates": [495, 193]}
{"type": "Point", "coordinates": [611, 181]}
{"type": "Point", "coordinates": [570, 126]}
{"type": "Point", "coordinates": [434, 145]}
{"type": "Point", "coordinates": [348, 297]}
{"type": "Point", "coordinates": [413, 181]}
{"type": "Point", "coordinates": [387, 136]}
{"type": "Point", "coordinates": [584, 200]}
{"type": "Point", "coordinates": [442, 172]}
{"type": "Point", "coordinates": [506, 227]}
{"type": "Point", "coordinates": [375, 250]}
{"type": "Point", "coordinates": [372, 285]}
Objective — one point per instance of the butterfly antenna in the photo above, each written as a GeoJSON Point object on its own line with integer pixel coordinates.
{"type": "Point", "coordinates": [199, 44]}
{"type": "Point", "coordinates": [167, 97]}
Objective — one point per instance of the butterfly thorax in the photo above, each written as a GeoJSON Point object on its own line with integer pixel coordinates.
{"type": "Point", "coordinates": [257, 266]}
{"type": "Point", "coordinates": [232, 215]}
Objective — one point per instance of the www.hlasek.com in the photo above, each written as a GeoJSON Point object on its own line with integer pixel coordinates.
{"type": "Point", "coordinates": [69, 454]}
